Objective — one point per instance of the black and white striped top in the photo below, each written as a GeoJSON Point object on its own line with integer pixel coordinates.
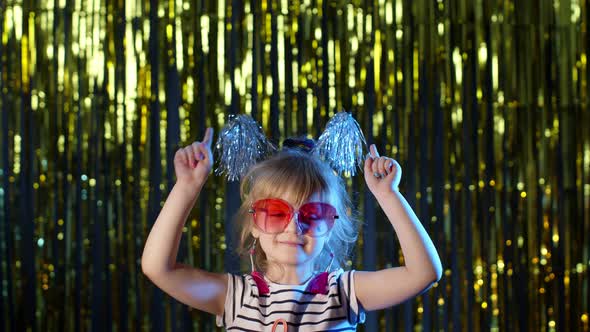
{"type": "Point", "coordinates": [246, 310]}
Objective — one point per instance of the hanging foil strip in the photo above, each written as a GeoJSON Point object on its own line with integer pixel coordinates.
{"type": "Point", "coordinates": [342, 143]}
{"type": "Point", "coordinates": [240, 145]}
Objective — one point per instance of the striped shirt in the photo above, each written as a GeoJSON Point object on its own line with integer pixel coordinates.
{"type": "Point", "coordinates": [246, 310]}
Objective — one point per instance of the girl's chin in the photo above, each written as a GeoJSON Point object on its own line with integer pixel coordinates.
{"type": "Point", "coordinates": [287, 259]}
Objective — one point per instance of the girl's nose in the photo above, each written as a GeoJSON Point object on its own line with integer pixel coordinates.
{"type": "Point", "coordinates": [293, 225]}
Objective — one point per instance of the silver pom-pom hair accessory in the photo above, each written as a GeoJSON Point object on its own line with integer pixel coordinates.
{"type": "Point", "coordinates": [240, 145]}
{"type": "Point", "coordinates": [341, 144]}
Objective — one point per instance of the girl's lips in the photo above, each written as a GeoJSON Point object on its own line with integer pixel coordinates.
{"type": "Point", "coordinates": [289, 243]}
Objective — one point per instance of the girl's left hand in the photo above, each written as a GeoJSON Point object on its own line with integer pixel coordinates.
{"type": "Point", "coordinates": [382, 174]}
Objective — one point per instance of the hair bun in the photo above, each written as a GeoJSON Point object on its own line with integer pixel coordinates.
{"type": "Point", "coordinates": [303, 144]}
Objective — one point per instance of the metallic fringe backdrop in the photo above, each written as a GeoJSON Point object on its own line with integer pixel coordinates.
{"type": "Point", "coordinates": [484, 104]}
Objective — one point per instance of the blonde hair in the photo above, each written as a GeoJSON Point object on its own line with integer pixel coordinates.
{"type": "Point", "coordinates": [298, 175]}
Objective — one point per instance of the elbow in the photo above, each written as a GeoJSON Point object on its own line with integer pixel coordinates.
{"type": "Point", "coordinates": [148, 267]}
{"type": "Point", "coordinates": [153, 269]}
{"type": "Point", "coordinates": [437, 278]}
{"type": "Point", "coordinates": [434, 275]}
{"type": "Point", "coordinates": [432, 269]}
{"type": "Point", "coordinates": [429, 276]}
{"type": "Point", "coordinates": [437, 270]}
{"type": "Point", "coordinates": [433, 278]}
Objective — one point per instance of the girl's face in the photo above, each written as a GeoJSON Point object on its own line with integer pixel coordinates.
{"type": "Point", "coordinates": [296, 245]}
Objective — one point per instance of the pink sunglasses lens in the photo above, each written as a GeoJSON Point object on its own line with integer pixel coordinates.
{"type": "Point", "coordinates": [316, 218]}
{"type": "Point", "coordinates": [271, 215]}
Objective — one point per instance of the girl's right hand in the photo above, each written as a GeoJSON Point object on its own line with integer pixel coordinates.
{"type": "Point", "coordinates": [193, 163]}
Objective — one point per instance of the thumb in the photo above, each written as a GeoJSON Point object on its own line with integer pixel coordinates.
{"type": "Point", "coordinates": [395, 173]}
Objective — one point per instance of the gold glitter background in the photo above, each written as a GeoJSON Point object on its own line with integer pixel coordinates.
{"type": "Point", "coordinates": [483, 103]}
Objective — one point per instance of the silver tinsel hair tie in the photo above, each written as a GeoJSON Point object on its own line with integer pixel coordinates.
{"type": "Point", "coordinates": [341, 144]}
{"type": "Point", "coordinates": [240, 145]}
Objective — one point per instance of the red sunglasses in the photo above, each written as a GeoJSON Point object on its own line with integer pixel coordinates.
{"type": "Point", "coordinates": [272, 215]}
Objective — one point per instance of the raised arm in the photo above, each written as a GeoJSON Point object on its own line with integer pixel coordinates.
{"type": "Point", "coordinates": [388, 287]}
{"type": "Point", "coordinates": [197, 288]}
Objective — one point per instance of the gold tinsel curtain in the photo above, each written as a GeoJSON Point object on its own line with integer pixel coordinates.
{"type": "Point", "coordinates": [484, 104]}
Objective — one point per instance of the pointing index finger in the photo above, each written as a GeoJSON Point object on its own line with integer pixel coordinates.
{"type": "Point", "coordinates": [374, 152]}
{"type": "Point", "coordinates": [208, 137]}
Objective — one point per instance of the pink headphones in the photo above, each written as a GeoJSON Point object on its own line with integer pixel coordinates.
{"type": "Point", "coordinates": [317, 285]}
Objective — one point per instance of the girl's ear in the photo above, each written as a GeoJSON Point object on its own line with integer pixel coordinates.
{"type": "Point", "coordinates": [329, 235]}
{"type": "Point", "coordinates": [327, 241]}
{"type": "Point", "coordinates": [255, 233]}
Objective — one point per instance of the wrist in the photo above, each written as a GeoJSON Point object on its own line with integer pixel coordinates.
{"type": "Point", "coordinates": [189, 188]}
{"type": "Point", "coordinates": [385, 196]}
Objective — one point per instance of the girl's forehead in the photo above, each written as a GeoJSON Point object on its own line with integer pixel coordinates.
{"type": "Point", "coordinates": [315, 197]}
{"type": "Point", "coordinates": [295, 194]}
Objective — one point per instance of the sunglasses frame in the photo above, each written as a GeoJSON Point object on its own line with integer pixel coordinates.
{"type": "Point", "coordinates": [292, 213]}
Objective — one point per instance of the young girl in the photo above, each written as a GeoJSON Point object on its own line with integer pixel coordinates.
{"type": "Point", "coordinates": [298, 233]}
